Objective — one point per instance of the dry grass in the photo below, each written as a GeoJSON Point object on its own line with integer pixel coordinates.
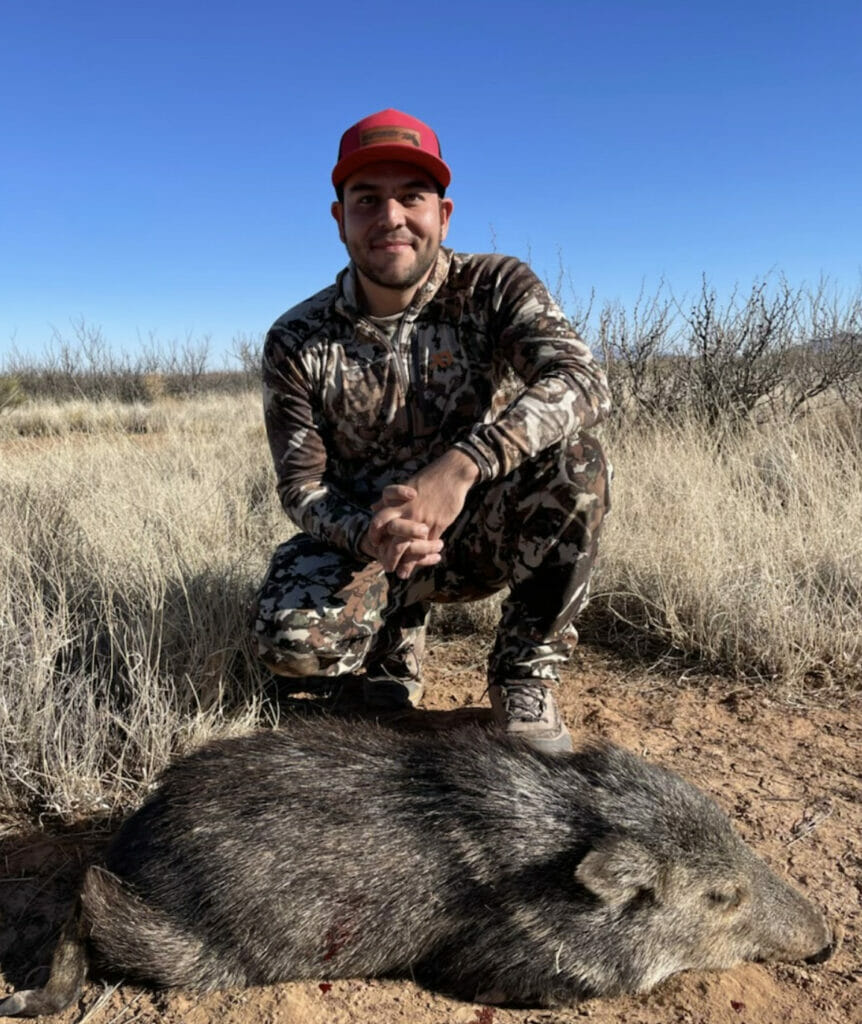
{"type": "Point", "coordinates": [204, 414]}
{"type": "Point", "coordinates": [127, 566]}
{"type": "Point", "coordinates": [128, 561]}
{"type": "Point", "coordinates": [748, 554]}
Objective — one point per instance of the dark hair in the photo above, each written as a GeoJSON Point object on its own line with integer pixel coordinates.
{"type": "Point", "coordinates": [339, 191]}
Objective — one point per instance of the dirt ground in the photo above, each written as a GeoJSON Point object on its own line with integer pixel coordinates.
{"type": "Point", "coordinates": [788, 775]}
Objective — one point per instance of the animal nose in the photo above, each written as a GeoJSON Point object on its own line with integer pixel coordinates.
{"type": "Point", "coordinates": [836, 933]}
{"type": "Point", "coordinates": [822, 956]}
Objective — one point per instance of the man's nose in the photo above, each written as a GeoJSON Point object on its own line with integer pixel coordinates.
{"type": "Point", "coordinates": [392, 213]}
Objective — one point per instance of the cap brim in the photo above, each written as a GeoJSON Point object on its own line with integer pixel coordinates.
{"type": "Point", "coordinates": [404, 154]}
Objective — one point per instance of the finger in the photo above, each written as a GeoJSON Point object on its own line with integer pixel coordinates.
{"type": "Point", "coordinates": [394, 553]}
{"type": "Point", "coordinates": [394, 494]}
{"type": "Point", "coordinates": [391, 553]}
{"type": "Point", "coordinates": [398, 492]}
{"type": "Point", "coordinates": [377, 528]}
{"type": "Point", "coordinates": [406, 568]}
{"type": "Point", "coordinates": [406, 529]}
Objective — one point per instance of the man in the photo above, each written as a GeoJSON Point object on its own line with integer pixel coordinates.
{"type": "Point", "coordinates": [427, 418]}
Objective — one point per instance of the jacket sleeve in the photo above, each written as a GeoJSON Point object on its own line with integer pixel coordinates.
{"type": "Point", "coordinates": [296, 441]}
{"type": "Point", "coordinates": [563, 388]}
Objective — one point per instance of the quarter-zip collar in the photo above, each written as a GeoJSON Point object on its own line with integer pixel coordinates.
{"type": "Point", "coordinates": [346, 288]}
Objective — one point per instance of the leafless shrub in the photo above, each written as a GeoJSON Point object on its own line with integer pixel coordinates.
{"type": "Point", "coordinates": [738, 351]}
{"type": "Point", "coordinates": [563, 291]}
{"type": "Point", "coordinates": [247, 350]}
{"type": "Point", "coordinates": [86, 367]}
{"type": "Point", "coordinates": [640, 353]}
{"type": "Point", "coordinates": [775, 351]}
{"type": "Point", "coordinates": [830, 361]}
{"type": "Point", "coordinates": [182, 365]}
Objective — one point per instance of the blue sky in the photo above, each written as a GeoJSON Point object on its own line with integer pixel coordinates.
{"type": "Point", "coordinates": [165, 166]}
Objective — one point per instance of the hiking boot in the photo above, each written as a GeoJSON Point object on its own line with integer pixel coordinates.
{"type": "Point", "coordinates": [393, 673]}
{"type": "Point", "coordinates": [526, 709]}
{"type": "Point", "coordinates": [388, 693]}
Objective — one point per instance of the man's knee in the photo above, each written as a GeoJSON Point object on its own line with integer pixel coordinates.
{"type": "Point", "coordinates": [317, 610]}
{"type": "Point", "coordinates": [296, 642]}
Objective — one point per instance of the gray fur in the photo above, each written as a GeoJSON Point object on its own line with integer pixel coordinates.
{"type": "Point", "coordinates": [483, 868]}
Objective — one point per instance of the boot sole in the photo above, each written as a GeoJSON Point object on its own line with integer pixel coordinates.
{"type": "Point", "coordinates": [561, 744]}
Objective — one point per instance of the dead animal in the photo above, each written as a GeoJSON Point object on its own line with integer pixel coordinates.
{"type": "Point", "coordinates": [479, 866]}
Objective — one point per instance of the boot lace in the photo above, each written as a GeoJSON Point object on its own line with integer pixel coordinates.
{"type": "Point", "coordinates": [524, 701]}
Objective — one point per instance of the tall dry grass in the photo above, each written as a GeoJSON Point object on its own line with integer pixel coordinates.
{"type": "Point", "coordinates": [747, 553]}
{"type": "Point", "coordinates": [205, 414]}
{"type": "Point", "coordinates": [128, 559]}
{"type": "Point", "coordinates": [127, 565]}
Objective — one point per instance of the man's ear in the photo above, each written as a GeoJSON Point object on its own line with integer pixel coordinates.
{"type": "Point", "coordinates": [446, 208]}
{"type": "Point", "coordinates": [617, 870]}
{"type": "Point", "coordinates": [337, 211]}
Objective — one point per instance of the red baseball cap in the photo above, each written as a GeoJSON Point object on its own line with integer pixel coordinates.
{"type": "Point", "coordinates": [390, 135]}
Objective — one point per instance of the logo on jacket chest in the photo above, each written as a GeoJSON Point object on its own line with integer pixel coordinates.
{"type": "Point", "coordinates": [441, 360]}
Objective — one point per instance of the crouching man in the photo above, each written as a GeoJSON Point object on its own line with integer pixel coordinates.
{"type": "Point", "coordinates": [428, 416]}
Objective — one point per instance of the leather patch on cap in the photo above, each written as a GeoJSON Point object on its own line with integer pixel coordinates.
{"type": "Point", "coordinates": [385, 133]}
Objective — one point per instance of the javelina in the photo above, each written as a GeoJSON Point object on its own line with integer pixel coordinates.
{"type": "Point", "coordinates": [483, 868]}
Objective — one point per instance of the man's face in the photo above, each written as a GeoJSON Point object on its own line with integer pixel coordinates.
{"type": "Point", "coordinates": [392, 222]}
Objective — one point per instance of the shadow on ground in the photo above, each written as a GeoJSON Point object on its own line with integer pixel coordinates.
{"type": "Point", "coordinates": [342, 698]}
{"type": "Point", "coordinates": [39, 876]}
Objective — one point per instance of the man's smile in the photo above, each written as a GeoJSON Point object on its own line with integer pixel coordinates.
{"type": "Point", "coordinates": [392, 243]}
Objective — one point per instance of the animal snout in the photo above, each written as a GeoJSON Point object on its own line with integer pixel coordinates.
{"type": "Point", "coordinates": [836, 933]}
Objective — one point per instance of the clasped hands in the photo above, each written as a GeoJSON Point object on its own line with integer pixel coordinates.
{"type": "Point", "coordinates": [409, 519]}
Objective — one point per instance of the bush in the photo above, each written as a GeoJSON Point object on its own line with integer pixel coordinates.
{"type": "Point", "coordinates": [774, 352]}
{"type": "Point", "coordinates": [11, 392]}
{"type": "Point", "coordinates": [85, 367]}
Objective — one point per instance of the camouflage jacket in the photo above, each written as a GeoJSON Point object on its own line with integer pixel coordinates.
{"type": "Point", "coordinates": [348, 410]}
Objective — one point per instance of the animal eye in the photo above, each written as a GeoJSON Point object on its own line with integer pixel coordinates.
{"type": "Point", "coordinates": [644, 896]}
{"type": "Point", "coordinates": [725, 899]}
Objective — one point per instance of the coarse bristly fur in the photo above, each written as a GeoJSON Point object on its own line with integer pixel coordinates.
{"type": "Point", "coordinates": [329, 849]}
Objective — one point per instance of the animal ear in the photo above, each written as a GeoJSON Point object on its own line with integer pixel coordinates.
{"type": "Point", "coordinates": [617, 870]}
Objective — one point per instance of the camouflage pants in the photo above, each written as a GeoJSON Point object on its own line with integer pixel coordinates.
{"type": "Point", "coordinates": [536, 531]}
